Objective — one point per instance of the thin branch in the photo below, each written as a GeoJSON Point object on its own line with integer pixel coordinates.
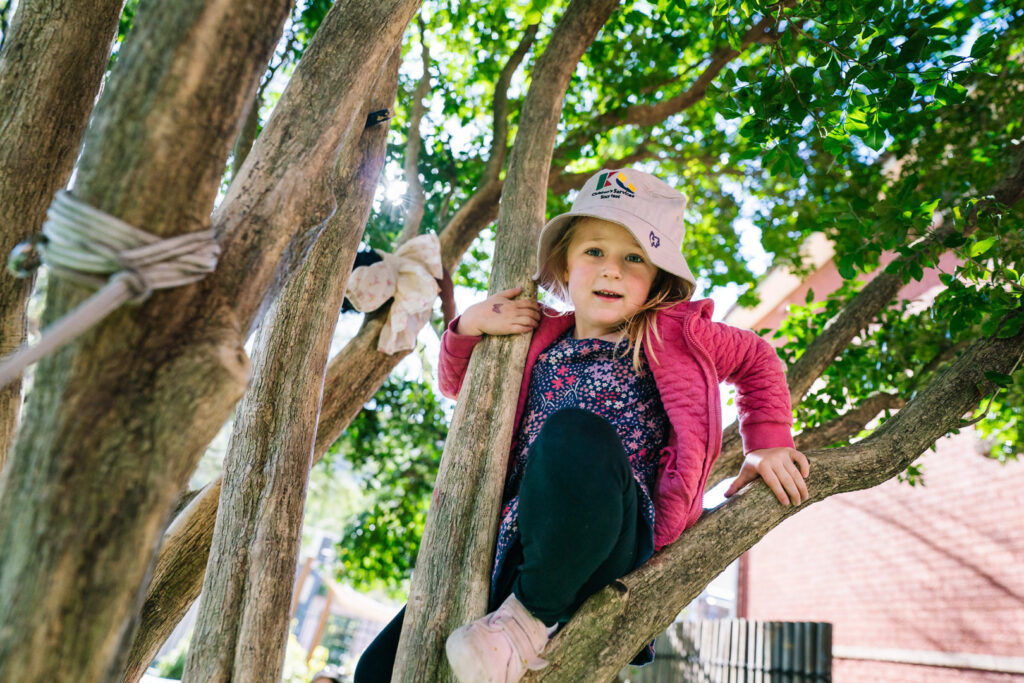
{"type": "Point", "coordinates": [849, 424]}
{"type": "Point", "coordinates": [414, 193]}
{"type": "Point", "coordinates": [650, 114]}
{"type": "Point", "coordinates": [499, 142]}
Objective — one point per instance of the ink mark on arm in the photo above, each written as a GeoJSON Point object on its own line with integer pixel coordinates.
{"type": "Point", "coordinates": [496, 308]}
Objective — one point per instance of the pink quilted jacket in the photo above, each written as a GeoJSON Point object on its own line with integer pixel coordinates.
{"type": "Point", "coordinates": [693, 357]}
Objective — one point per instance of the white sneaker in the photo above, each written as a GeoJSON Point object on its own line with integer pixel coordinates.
{"type": "Point", "coordinates": [499, 647]}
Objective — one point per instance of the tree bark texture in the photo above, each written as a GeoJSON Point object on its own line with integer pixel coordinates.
{"type": "Point", "coordinates": [353, 377]}
{"type": "Point", "coordinates": [242, 628]}
{"type": "Point", "coordinates": [116, 420]}
{"type": "Point", "coordinates": [177, 578]}
{"type": "Point", "coordinates": [159, 380]}
{"type": "Point", "coordinates": [283, 188]}
{"type": "Point", "coordinates": [611, 627]}
{"type": "Point", "coordinates": [51, 65]}
{"type": "Point", "coordinates": [450, 584]}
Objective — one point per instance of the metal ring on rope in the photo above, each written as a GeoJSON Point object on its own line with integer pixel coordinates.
{"type": "Point", "coordinates": [83, 244]}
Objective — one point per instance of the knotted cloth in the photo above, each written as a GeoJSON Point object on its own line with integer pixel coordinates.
{"type": "Point", "coordinates": [86, 245]}
{"type": "Point", "coordinates": [409, 275]}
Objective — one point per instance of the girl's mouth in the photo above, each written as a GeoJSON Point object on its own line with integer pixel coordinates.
{"type": "Point", "coordinates": [604, 294]}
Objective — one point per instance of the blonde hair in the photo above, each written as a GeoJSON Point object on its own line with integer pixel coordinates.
{"type": "Point", "coordinates": [641, 328]}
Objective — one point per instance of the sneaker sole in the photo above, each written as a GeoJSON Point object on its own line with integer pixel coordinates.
{"type": "Point", "coordinates": [466, 660]}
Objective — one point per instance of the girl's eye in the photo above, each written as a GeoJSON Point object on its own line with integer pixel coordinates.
{"type": "Point", "coordinates": [635, 258]}
{"type": "Point", "coordinates": [592, 251]}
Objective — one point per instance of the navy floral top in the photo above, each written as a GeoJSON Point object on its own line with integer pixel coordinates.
{"type": "Point", "coordinates": [592, 375]}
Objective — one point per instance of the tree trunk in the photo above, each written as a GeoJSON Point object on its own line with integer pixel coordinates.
{"type": "Point", "coordinates": [450, 584]}
{"type": "Point", "coordinates": [353, 377]}
{"type": "Point", "coordinates": [243, 616]}
{"type": "Point", "coordinates": [96, 467]}
{"type": "Point", "coordinates": [611, 627]}
{"type": "Point", "coordinates": [53, 59]}
{"type": "Point", "coordinates": [153, 157]}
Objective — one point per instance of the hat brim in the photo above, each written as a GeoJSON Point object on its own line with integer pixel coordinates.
{"type": "Point", "coordinates": [669, 260]}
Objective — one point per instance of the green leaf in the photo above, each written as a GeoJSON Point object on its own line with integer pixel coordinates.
{"type": "Point", "coordinates": [980, 247]}
{"type": "Point", "coordinates": [875, 138]}
{"type": "Point", "coordinates": [998, 378]}
{"type": "Point", "coordinates": [983, 45]}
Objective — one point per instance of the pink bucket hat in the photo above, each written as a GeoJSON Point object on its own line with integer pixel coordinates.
{"type": "Point", "coordinates": [651, 209]}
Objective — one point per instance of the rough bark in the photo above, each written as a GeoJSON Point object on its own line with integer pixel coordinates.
{"type": "Point", "coordinates": [177, 578]}
{"type": "Point", "coordinates": [51, 65]}
{"type": "Point", "coordinates": [615, 623]}
{"type": "Point", "coordinates": [242, 627]}
{"type": "Point", "coordinates": [84, 500]}
{"type": "Point", "coordinates": [282, 190]}
{"type": "Point", "coordinates": [353, 377]}
{"type": "Point", "coordinates": [450, 584]}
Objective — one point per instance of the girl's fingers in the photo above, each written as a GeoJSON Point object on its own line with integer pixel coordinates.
{"type": "Point", "coordinates": [775, 485]}
{"type": "Point", "coordinates": [799, 481]}
{"type": "Point", "coordinates": [509, 293]}
{"type": "Point", "coordinates": [741, 480]}
{"type": "Point", "coordinates": [801, 460]}
{"type": "Point", "coordinates": [786, 479]}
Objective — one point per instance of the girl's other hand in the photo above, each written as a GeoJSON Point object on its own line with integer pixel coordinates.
{"type": "Point", "coordinates": [783, 469]}
{"type": "Point", "coordinates": [499, 314]}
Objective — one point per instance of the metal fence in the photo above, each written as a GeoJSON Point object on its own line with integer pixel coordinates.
{"type": "Point", "coordinates": [739, 651]}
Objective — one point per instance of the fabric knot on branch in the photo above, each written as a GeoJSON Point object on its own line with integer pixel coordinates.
{"type": "Point", "coordinates": [410, 276]}
{"type": "Point", "coordinates": [86, 245]}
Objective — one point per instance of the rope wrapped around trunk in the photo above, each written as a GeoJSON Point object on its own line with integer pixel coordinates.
{"type": "Point", "coordinates": [86, 245]}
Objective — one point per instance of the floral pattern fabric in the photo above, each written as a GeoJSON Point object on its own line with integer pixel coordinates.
{"type": "Point", "coordinates": [596, 376]}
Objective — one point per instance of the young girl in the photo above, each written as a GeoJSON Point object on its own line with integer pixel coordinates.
{"type": "Point", "coordinates": [618, 421]}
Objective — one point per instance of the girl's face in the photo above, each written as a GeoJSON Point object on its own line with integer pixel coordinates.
{"type": "Point", "coordinates": [608, 276]}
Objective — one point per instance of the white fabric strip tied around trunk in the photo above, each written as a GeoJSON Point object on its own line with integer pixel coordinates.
{"type": "Point", "coordinates": [409, 275]}
{"type": "Point", "coordinates": [91, 247]}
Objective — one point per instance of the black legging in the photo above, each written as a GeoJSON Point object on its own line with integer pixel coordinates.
{"type": "Point", "coordinates": [578, 526]}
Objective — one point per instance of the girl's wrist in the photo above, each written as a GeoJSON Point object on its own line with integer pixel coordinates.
{"type": "Point", "coordinates": [464, 329]}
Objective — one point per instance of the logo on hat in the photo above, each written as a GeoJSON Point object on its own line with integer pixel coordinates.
{"type": "Point", "coordinates": [655, 240]}
{"type": "Point", "coordinates": [618, 184]}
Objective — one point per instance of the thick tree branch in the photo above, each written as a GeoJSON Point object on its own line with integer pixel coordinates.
{"type": "Point", "coordinates": [617, 621]}
{"type": "Point", "coordinates": [451, 579]}
{"type": "Point", "coordinates": [242, 627]}
{"type": "Point", "coordinates": [353, 377]}
{"type": "Point", "coordinates": [282, 189]}
{"type": "Point", "coordinates": [182, 559]}
{"type": "Point", "coordinates": [72, 572]}
{"type": "Point", "coordinates": [52, 62]}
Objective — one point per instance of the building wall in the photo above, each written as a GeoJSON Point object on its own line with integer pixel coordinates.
{"type": "Point", "coordinates": [932, 568]}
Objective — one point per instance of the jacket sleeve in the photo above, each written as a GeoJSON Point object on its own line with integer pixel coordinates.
{"type": "Point", "coordinates": [456, 350]}
{"type": "Point", "coordinates": [748, 362]}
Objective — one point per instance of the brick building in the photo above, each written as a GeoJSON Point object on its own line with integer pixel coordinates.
{"type": "Point", "coordinates": [921, 583]}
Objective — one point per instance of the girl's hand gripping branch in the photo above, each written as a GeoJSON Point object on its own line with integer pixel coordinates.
{"type": "Point", "coordinates": [499, 314]}
{"type": "Point", "coordinates": [783, 469]}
